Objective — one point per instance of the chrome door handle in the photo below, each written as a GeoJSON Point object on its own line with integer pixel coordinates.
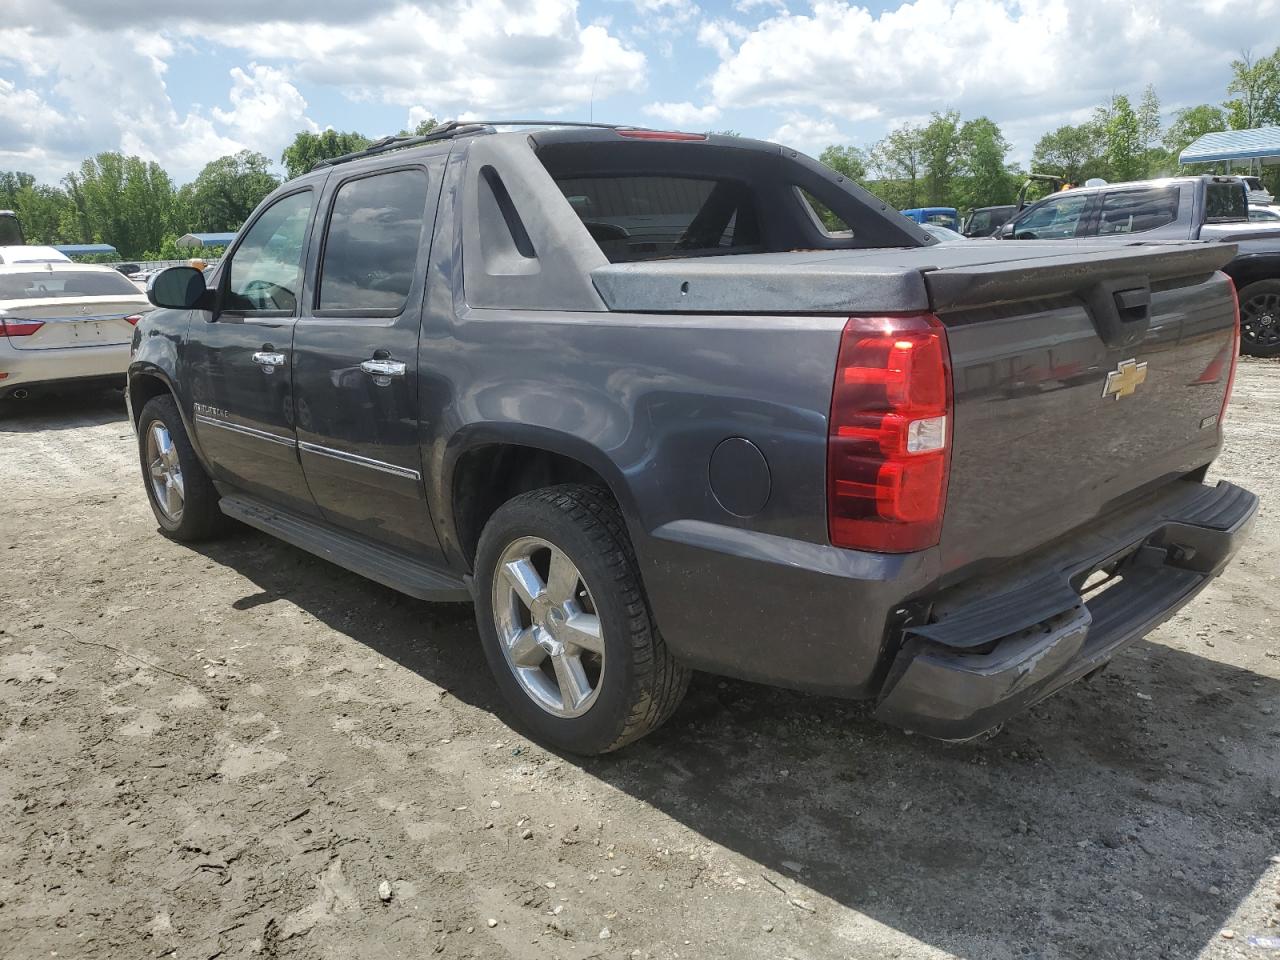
{"type": "Point", "coordinates": [265, 359]}
{"type": "Point", "coordinates": [383, 368]}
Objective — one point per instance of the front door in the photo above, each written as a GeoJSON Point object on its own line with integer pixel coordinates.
{"type": "Point", "coordinates": [355, 356]}
{"type": "Point", "coordinates": [238, 358]}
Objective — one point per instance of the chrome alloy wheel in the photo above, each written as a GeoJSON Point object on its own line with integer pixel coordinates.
{"type": "Point", "coordinates": [165, 472]}
{"type": "Point", "coordinates": [548, 628]}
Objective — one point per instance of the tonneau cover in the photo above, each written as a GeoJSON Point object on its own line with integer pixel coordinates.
{"type": "Point", "coordinates": [939, 277]}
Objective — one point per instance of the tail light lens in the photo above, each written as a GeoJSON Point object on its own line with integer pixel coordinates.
{"type": "Point", "coordinates": [1235, 351]}
{"type": "Point", "coordinates": [14, 327]}
{"type": "Point", "coordinates": [889, 436]}
{"type": "Point", "coordinates": [133, 320]}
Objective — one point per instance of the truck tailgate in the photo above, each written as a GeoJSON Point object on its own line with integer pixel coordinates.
{"type": "Point", "coordinates": [1078, 384]}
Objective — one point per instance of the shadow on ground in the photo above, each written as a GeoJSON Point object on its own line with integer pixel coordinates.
{"type": "Point", "coordinates": [69, 409]}
{"type": "Point", "coordinates": [1102, 824]}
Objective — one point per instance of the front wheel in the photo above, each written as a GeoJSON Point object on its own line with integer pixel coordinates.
{"type": "Point", "coordinates": [182, 496]}
{"type": "Point", "coordinates": [1260, 319]}
{"type": "Point", "coordinates": [565, 623]}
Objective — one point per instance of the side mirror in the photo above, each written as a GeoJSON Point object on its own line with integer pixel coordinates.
{"type": "Point", "coordinates": [1006, 232]}
{"type": "Point", "coordinates": [178, 288]}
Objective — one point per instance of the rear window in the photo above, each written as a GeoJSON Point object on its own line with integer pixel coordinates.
{"type": "Point", "coordinates": [650, 217]}
{"type": "Point", "coordinates": [42, 284]}
{"type": "Point", "coordinates": [1225, 202]}
{"type": "Point", "coordinates": [10, 231]}
{"type": "Point", "coordinates": [1133, 211]}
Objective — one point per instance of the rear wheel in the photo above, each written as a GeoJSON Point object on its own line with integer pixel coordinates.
{"type": "Point", "coordinates": [565, 623]}
{"type": "Point", "coordinates": [181, 494]}
{"type": "Point", "coordinates": [1260, 319]}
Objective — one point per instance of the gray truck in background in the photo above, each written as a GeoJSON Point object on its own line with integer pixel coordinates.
{"type": "Point", "coordinates": [1179, 208]}
{"type": "Point", "coordinates": [657, 402]}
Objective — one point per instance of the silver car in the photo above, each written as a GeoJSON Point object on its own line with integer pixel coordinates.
{"type": "Point", "coordinates": [63, 322]}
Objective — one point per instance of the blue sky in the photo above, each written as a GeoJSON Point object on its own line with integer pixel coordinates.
{"type": "Point", "coordinates": [183, 84]}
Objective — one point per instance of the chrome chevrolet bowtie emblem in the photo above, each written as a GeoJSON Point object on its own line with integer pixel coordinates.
{"type": "Point", "coordinates": [1125, 378]}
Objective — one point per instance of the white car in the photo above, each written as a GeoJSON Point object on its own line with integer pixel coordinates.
{"type": "Point", "coordinates": [63, 322]}
{"type": "Point", "coordinates": [31, 254]}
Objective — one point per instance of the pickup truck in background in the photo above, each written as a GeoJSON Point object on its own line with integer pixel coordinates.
{"type": "Point", "coordinates": [656, 402]}
{"type": "Point", "coordinates": [1181, 208]}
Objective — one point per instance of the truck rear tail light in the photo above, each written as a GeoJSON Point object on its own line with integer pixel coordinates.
{"type": "Point", "coordinates": [660, 135]}
{"type": "Point", "coordinates": [888, 439]}
{"type": "Point", "coordinates": [1235, 352]}
{"type": "Point", "coordinates": [15, 327]}
{"type": "Point", "coordinates": [133, 320]}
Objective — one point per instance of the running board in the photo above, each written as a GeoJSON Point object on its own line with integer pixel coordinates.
{"type": "Point", "coordinates": [385, 566]}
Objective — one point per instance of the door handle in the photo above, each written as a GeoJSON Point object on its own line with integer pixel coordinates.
{"type": "Point", "coordinates": [383, 368]}
{"type": "Point", "coordinates": [266, 359]}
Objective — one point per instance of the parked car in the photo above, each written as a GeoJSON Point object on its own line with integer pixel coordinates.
{"type": "Point", "coordinates": [786, 447]}
{"type": "Point", "coordinates": [985, 221]}
{"type": "Point", "coordinates": [1179, 208]}
{"type": "Point", "coordinates": [1264, 214]}
{"type": "Point", "coordinates": [947, 217]}
{"type": "Point", "coordinates": [64, 323]}
{"type": "Point", "coordinates": [1257, 193]}
{"type": "Point", "coordinates": [941, 233]}
{"type": "Point", "coordinates": [31, 254]}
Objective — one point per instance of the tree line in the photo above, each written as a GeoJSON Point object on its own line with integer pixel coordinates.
{"type": "Point", "coordinates": [948, 161]}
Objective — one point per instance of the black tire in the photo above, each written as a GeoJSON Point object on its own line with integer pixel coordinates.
{"type": "Point", "coordinates": [641, 683]}
{"type": "Point", "coordinates": [1260, 319]}
{"type": "Point", "coordinates": [200, 517]}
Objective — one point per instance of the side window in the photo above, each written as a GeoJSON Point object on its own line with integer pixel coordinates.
{"type": "Point", "coordinates": [371, 247]}
{"type": "Point", "coordinates": [266, 269]}
{"type": "Point", "coordinates": [1054, 219]}
{"type": "Point", "coordinates": [1133, 211]}
{"type": "Point", "coordinates": [830, 223]}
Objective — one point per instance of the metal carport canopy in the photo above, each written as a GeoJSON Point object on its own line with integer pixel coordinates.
{"type": "Point", "coordinates": [1254, 144]}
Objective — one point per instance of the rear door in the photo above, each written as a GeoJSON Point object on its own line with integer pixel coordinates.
{"type": "Point", "coordinates": [355, 355]}
{"type": "Point", "coordinates": [237, 358]}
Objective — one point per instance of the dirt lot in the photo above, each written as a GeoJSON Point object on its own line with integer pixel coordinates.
{"type": "Point", "coordinates": [225, 752]}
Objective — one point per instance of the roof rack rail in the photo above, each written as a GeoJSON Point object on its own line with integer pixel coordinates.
{"type": "Point", "coordinates": [452, 129]}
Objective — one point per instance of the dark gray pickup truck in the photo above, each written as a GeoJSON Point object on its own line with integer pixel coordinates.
{"type": "Point", "coordinates": [1179, 208]}
{"type": "Point", "coordinates": [630, 393]}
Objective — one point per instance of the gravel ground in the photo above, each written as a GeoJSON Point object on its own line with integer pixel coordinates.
{"type": "Point", "coordinates": [240, 750]}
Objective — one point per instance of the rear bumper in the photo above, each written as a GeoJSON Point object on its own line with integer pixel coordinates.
{"type": "Point", "coordinates": [28, 369]}
{"type": "Point", "coordinates": [995, 648]}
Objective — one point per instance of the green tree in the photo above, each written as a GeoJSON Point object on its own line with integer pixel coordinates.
{"type": "Point", "coordinates": [1071, 152]}
{"type": "Point", "coordinates": [41, 209]}
{"type": "Point", "coordinates": [899, 160]}
{"type": "Point", "coordinates": [1256, 85]}
{"type": "Point", "coordinates": [847, 160]}
{"type": "Point", "coordinates": [127, 202]}
{"type": "Point", "coordinates": [421, 128]}
{"type": "Point", "coordinates": [1190, 124]}
{"type": "Point", "coordinates": [308, 149]}
{"type": "Point", "coordinates": [1121, 135]}
{"type": "Point", "coordinates": [940, 150]}
{"type": "Point", "coordinates": [984, 179]}
{"type": "Point", "coordinates": [226, 192]}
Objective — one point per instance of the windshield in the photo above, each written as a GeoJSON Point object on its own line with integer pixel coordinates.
{"type": "Point", "coordinates": [44, 284]}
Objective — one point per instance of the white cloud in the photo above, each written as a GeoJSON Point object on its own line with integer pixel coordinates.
{"type": "Point", "coordinates": [1011, 59]}
{"type": "Point", "coordinates": [808, 134]}
{"type": "Point", "coordinates": [683, 115]}
{"type": "Point", "coordinates": [496, 56]}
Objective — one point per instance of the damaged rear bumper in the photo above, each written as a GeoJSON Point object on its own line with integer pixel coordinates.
{"type": "Point", "coordinates": [993, 650]}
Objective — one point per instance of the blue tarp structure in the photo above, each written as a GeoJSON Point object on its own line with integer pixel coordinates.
{"type": "Point", "coordinates": [1254, 144]}
{"type": "Point", "coordinates": [86, 249]}
{"type": "Point", "coordinates": [206, 239]}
